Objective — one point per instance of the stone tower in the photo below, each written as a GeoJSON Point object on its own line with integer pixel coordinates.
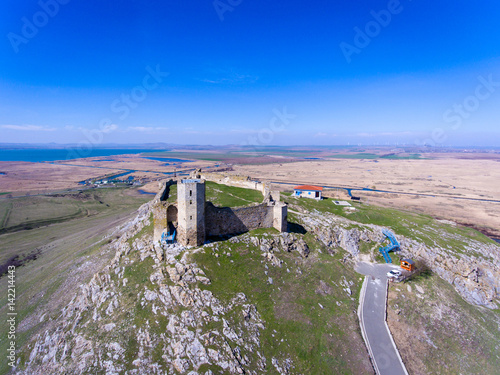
{"type": "Point", "coordinates": [191, 212]}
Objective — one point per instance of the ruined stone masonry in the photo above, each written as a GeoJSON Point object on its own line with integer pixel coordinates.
{"type": "Point", "coordinates": [191, 206]}
{"type": "Point", "coordinates": [194, 219]}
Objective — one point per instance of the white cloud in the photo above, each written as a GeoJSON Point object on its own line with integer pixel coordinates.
{"type": "Point", "coordinates": [109, 128]}
{"type": "Point", "coordinates": [384, 134]}
{"type": "Point", "coordinates": [325, 135]}
{"type": "Point", "coordinates": [32, 128]}
{"type": "Point", "coordinates": [146, 129]}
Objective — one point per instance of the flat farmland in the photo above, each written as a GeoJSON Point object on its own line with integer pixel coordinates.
{"type": "Point", "coordinates": [21, 178]}
{"type": "Point", "coordinates": [449, 187]}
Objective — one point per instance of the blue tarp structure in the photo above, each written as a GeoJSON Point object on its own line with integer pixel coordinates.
{"type": "Point", "coordinates": [393, 246]}
{"type": "Point", "coordinates": [168, 237]}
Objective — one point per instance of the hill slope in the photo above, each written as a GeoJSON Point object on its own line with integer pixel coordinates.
{"type": "Point", "coordinates": [261, 302]}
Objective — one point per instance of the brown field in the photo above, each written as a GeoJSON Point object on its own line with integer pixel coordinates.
{"type": "Point", "coordinates": [443, 183]}
{"type": "Point", "coordinates": [458, 186]}
{"type": "Point", "coordinates": [23, 178]}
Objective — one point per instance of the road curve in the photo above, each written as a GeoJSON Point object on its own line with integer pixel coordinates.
{"type": "Point", "coordinates": [372, 315]}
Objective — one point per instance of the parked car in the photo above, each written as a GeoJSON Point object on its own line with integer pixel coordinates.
{"type": "Point", "coordinates": [393, 273]}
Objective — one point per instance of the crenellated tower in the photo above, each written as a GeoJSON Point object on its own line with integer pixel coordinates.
{"type": "Point", "coordinates": [191, 212]}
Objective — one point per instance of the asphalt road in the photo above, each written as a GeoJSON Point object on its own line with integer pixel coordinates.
{"type": "Point", "coordinates": [372, 316]}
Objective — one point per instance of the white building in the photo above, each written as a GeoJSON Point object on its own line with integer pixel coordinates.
{"type": "Point", "coordinates": [307, 191]}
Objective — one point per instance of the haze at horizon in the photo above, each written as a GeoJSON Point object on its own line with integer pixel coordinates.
{"type": "Point", "coordinates": [241, 72]}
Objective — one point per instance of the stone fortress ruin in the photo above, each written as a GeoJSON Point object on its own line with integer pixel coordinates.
{"type": "Point", "coordinates": [193, 219]}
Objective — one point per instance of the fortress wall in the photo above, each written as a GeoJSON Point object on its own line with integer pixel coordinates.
{"type": "Point", "coordinates": [280, 215]}
{"type": "Point", "coordinates": [225, 220]}
{"type": "Point", "coordinates": [164, 190]}
{"type": "Point", "coordinates": [159, 209]}
{"type": "Point", "coordinates": [195, 219]}
{"type": "Point", "coordinates": [233, 180]}
{"type": "Point", "coordinates": [191, 212]}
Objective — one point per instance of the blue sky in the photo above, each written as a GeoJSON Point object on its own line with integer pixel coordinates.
{"type": "Point", "coordinates": [250, 72]}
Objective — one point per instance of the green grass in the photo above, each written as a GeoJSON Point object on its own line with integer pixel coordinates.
{"type": "Point", "coordinates": [367, 155]}
{"type": "Point", "coordinates": [66, 247]}
{"type": "Point", "coordinates": [362, 155]}
{"type": "Point", "coordinates": [223, 195]}
{"type": "Point", "coordinates": [5, 193]}
{"type": "Point", "coordinates": [147, 229]}
{"type": "Point", "coordinates": [189, 155]}
{"type": "Point", "coordinates": [448, 335]}
{"type": "Point", "coordinates": [172, 195]}
{"type": "Point", "coordinates": [230, 196]}
{"type": "Point", "coordinates": [420, 227]}
{"type": "Point", "coordinates": [399, 157]}
{"type": "Point", "coordinates": [317, 340]}
{"type": "Point", "coordinates": [37, 211]}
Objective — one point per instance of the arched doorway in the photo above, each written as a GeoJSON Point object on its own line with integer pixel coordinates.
{"type": "Point", "coordinates": [171, 218]}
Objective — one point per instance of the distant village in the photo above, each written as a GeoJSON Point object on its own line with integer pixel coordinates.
{"type": "Point", "coordinates": [117, 180]}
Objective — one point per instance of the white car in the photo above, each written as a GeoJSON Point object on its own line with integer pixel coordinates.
{"type": "Point", "coordinates": [393, 273]}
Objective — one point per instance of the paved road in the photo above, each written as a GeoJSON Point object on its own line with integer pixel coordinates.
{"type": "Point", "coordinates": [349, 189]}
{"type": "Point", "coordinates": [383, 350]}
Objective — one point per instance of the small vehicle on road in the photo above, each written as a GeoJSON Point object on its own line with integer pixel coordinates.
{"type": "Point", "coordinates": [393, 273]}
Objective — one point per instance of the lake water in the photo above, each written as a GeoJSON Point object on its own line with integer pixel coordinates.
{"type": "Point", "coordinates": [171, 160]}
{"type": "Point", "coordinates": [41, 155]}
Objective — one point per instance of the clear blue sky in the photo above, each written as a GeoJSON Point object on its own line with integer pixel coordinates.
{"type": "Point", "coordinates": [343, 71]}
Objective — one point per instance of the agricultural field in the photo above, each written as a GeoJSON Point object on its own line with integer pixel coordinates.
{"type": "Point", "coordinates": [59, 242]}
{"type": "Point", "coordinates": [442, 185]}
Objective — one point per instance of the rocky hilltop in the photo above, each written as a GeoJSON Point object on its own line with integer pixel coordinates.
{"type": "Point", "coordinates": [172, 287]}
{"type": "Point", "coordinates": [475, 272]}
{"type": "Point", "coordinates": [257, 303]}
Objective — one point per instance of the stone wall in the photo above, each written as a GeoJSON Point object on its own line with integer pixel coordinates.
{"type": "Point", "coordinates": [280, 215]}
{"type": "Point", "coordinates": [194, 219]}
{"type": "Point", "coordinates": [191, 214]}
{"type": "Point", "coordinates": [225, 220]}
{"type": "Point", "coordinates": [159, 208]}
{"type": "Point", "coordinates": [231, 180]}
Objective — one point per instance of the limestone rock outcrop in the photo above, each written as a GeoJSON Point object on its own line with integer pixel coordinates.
{"type": "Point", "coordinates": [186, 327]}
{"type": "Point", "coordinates": [474, 273]}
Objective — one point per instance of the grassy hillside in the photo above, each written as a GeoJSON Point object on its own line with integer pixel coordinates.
{"type": "Point", "coordinates": [71, 250]}
{"type": "Point", "coordinates": [420, 227]}
{"type": "Point", "coordinates": [437, 332]}
{"type": "Point", "coordinates": [308, 304]}
{"type": "Point", "coordinates": [223, 195]}
{"type": "Point", "coordinates": [229, 196]}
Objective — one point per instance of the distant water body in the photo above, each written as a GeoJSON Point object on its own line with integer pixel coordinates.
{"type": "Point", "coordinates": [41, 155]}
